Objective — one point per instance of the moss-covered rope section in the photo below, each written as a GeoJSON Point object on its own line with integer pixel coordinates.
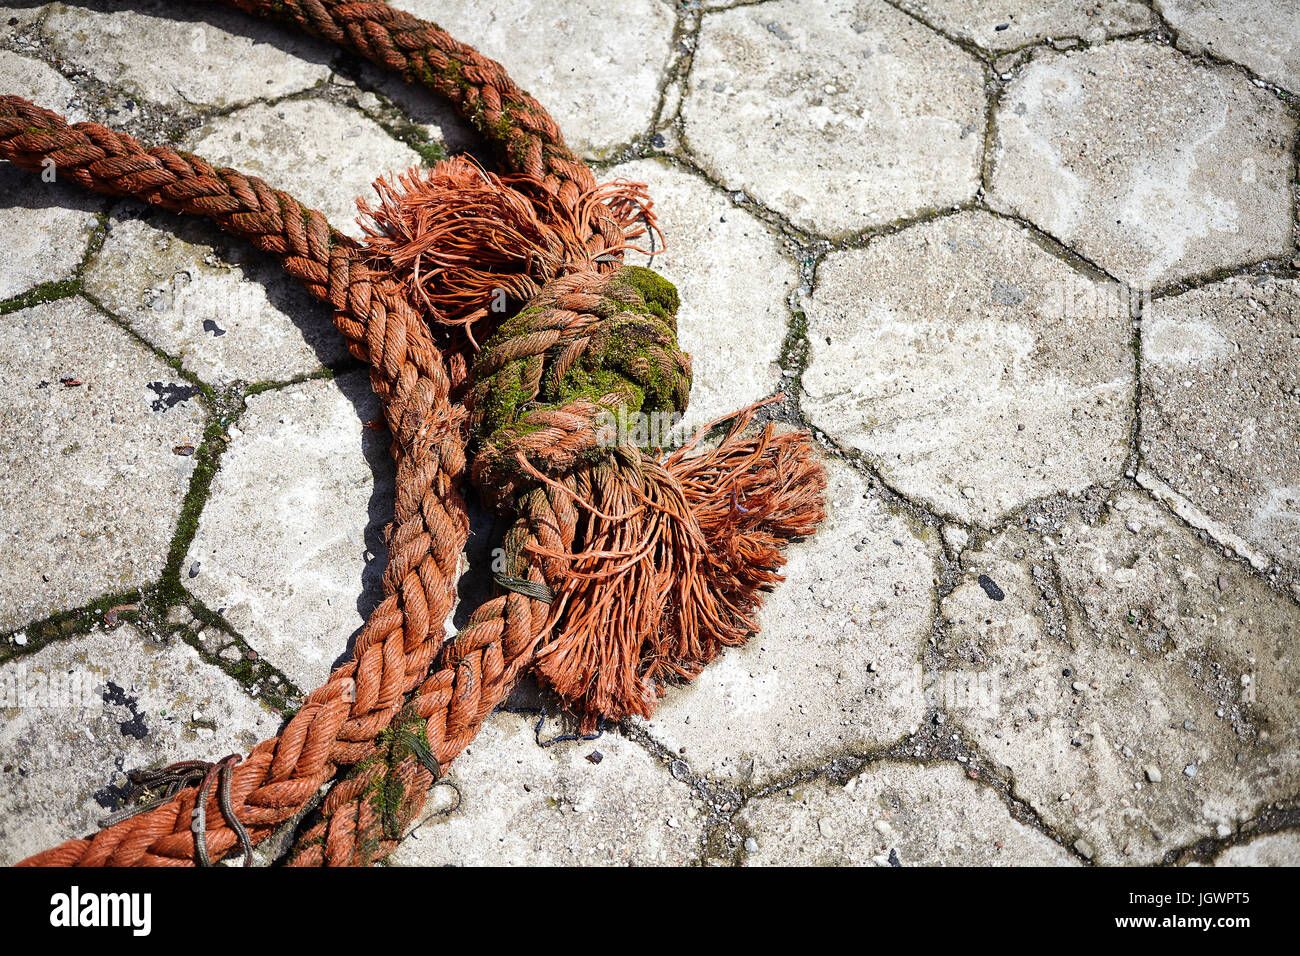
{"type": "Point", "coordinates": [557, 383]}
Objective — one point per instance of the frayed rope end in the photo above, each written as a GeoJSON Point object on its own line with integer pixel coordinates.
{"type": "Point", "coordinates": [675, 559]}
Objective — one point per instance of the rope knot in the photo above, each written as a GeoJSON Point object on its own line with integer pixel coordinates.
{"type": "Point", "coordinates": [557, 383]}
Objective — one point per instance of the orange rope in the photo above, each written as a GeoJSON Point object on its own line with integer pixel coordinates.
{"type": "Point", "coordinates": [592, 337]}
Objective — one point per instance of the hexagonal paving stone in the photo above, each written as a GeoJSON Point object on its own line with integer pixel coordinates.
{"type": "Point", "coordinates": [1262, 36]}
{"type": "Point", "coordinates": [45, 229]}
{"type": "Point", "coordinates": [523, 804]}
{"type": "Point", "coordinates": [595, 67]}
{"type": "Point", "coordinates": [1221, 406]}
{"type": "Point", "coordinates": [44, 226]}
{"type": "Point", "coordinates": [838, 114]}
{"type": "Point", "coordinates": [973, 368]}
{"type": "Point", "coordinates": [1170, 708]}
{"type": "Point", "coordinates": [894, 813]}
{"type": "Point", "coordinates": [324, 154]}
{"type": "Point", "coordinates": [224, 309]}
{"type": "Point", "coordinates": [1016, 23]}
{"type": "Point", "coordinates": [81, 712]}
{"type": "Point", "coordinates": [834, 667]}
{"type": "Point", "coordinates": [1276, 849]}
{"type": "Point", "coordinates": [186, 57]}
{"type": "Point", "coordinates": [39, 82]}
{"type": "Point", "coordinates": [301, 495]}
{"type": "Point", "coordinates": [733, 283]}
{"type": "Point", "coordinates": [1199, 184]}
{"type": "Point", "coordinates": [91, 488]}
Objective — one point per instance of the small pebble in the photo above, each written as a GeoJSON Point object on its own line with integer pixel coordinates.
{"type": "Point", "coordinates": [751, 845]}
{"type": "Point", "coordinates": [1153, 774]}
{"type": "Point", "coordinates": [1190, 770]}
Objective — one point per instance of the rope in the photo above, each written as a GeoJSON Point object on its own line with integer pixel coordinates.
{"type": "Point", "coordinates": [623, 570]}
{"type": "Point", "coordinates": [524, 136]}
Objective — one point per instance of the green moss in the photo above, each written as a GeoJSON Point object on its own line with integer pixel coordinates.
{"type": "Point", "coordinates": [659, 295]}
{"type": "Point", "coordinates": [630, 365]}
{"type": "Point", "coordinates": [170, 591]}
{"type": "Point", "coordinates": [504, 399]}
{"type": "Point", "coordinates": [76, 621]}
{"type": "Point", "coordinates": [593, 384]}
{"type": "Point", "coordinates": [387, 794]}
{"type": "Point", "coordinates": [630, 357]}
{"type": "Point", "coordinates": [47, 292]}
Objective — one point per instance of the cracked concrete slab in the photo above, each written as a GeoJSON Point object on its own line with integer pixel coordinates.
{"type": "Point", "coordinates": [973, 368]}
{"type": "Point", "coordinates": [39, 82]}
{"type": "Point", "coordinates": [45, 225]}
{"type": "Point", "coordinates": [323, 154]}
{"type": "Point", "coordinates": [224, 309]}
{"type": "Point", "coordinates": [185, 57]}
{"type": "Point", "coordinates": [603, 88]}
{"type": "Point", "coordinates": [1199, 184]}
{"type": "Point", "coordinates": [556, 806]}
{"type": "Point", "coordinates": [733, 282]}
{"type": "Point", "coordinates": [1153, 708]}
{"type": "Point", "coordinates": [893, 814]}
{"type": "Point", "coordinates": [89, 424]}
{"type": "Point", "coordinates": [45, 230]}
{"type": "Point", "coordinates": [290, 546]}
{"type": "Point", "coordinates": [837, 114]}
{"type": "Point", "coordinates": [1221, 406]}
{"type": "Point", "coordinates": [1261, 36]}
{"type": "Point", "coordinates": [81, 712]}
{"type": "Point", "coordinates": [1018, 23]}
{"type": "Point", "coordinates": [834, 669]}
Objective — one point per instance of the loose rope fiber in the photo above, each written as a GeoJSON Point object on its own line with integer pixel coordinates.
{"type": "Point", "coordinates": [624, 569]}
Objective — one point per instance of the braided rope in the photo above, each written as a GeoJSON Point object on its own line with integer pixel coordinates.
{"type": "Point", "coordinates": [339, 722]}
{"type": "Point", "coordinates": [521, 131]}
{"type": "Point", "coordinates": [598, 527]}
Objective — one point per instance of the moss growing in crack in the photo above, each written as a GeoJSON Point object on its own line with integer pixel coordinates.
{"type": "Point", "coordinates": [73, 622]}
{"type": "Point", "coordinates": [46, 292]}
{"type": "Point", "coordinates": [170, 591]}
{"type": "Point", "coordinates": [413, 136]}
